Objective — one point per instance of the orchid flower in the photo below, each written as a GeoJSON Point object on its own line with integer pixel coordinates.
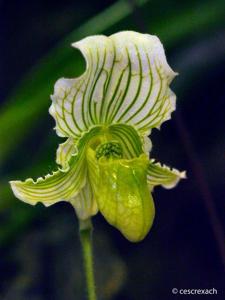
{"type": "Point", "coordinates": [107, 115]}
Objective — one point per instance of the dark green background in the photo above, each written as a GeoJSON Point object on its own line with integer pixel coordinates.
{"type": "Point", "coordinates": [39, 247]}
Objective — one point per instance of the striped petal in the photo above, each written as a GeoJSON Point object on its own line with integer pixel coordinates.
{"type": "Point", "coordinates": [162, 175]}
{"type": "Point", "coordinates": [129, 139]}
{"type": "Point", "coordinates": [126, 81]}
{"type": "Point", "coordinates": [62, 185]}
{"type": "Point", "coordinates": [65, 151]}
{"type": "Point", "coordinates": [84, 203]}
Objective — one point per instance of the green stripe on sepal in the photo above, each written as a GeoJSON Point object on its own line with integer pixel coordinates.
{"type": "Point", "coordinates": [84, 203]}
{"type": "Point", "coordinates": [65, 151]}
{"type": "Point", "coordinates": [129, 139]}
{"type": "Point", "coordinates": [126, 81]}
{"type": "Point", "coordinates": [61, 185]}
{"type": "Point", "coordinates": [123, 195]}
{"type": "Point", "coordinates": [158, 174]}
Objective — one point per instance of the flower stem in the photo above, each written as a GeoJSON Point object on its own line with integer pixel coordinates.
{"type": "Point", "coordinates": [86, 243]}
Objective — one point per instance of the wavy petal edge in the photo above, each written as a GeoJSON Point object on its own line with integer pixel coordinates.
{"type": "Point", "coordinates": [161, 174]}
{"type": "Point", "coordinates": [130, 72]}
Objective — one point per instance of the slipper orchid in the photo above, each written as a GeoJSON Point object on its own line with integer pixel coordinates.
{"type": "Point", "coordinates": [107, 115]}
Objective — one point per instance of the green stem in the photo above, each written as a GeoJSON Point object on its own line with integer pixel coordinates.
{"type": "Point", "coordinates": [86, 242]}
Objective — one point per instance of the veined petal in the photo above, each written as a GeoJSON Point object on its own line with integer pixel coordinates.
{"type": "Point", "coordinates": [158, 174]}
{"type": "Point", "coordinates": [62, 185]}
{"type": "Point", "coordinates": [93, 170]}
{"type": "Point", "coordinates": [84, 203]}
{"type": "Point", "coordinates": [65, 151]}
{"type": "Point", "coordinates": [126, 81]}
{"type": "Point", "coordinates": [130, 141]}
{"type": "Point", "coordinates": [147, 144]}
{"type": "Point", "coordinates": [147, 100]}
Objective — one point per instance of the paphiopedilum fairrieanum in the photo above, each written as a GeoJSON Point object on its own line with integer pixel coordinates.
{"type": "Point", "coordinates": [107, 115]}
